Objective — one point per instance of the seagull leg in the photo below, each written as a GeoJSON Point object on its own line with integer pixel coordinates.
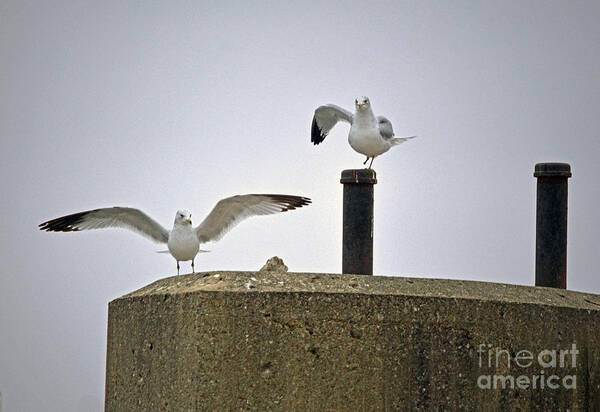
{"type": "Point", "coordinates": [177, 268]}
{"type": "Point", "coordinates": [193, 270]}
{"type": "Point", "coordinates": [366, 160]}
{"type": "Point", "coordinates": [373, 158]}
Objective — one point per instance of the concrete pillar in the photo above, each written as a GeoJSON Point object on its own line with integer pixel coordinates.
{"type": "Point", "coordinates": [312, 342]}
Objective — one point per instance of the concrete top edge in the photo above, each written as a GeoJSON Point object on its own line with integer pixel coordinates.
{"type": "Point", "coordinates": [277, 282]}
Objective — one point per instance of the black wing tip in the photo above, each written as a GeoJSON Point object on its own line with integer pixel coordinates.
{"type": "Point", "coordinates": [291, 202]}
{"type": "Point", "coordinates": [64, 224]}
{"type": "Point", "coordinates": [316, 135]}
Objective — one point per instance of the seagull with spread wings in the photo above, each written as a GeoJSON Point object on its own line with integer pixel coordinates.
{"type": "Point", "coordinates": [368, 134]}
{"type": "Point", "coordinates": [183, 240]}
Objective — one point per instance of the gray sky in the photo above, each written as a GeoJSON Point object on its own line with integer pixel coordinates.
{"type": "Point", "coordinates": [178, 104]}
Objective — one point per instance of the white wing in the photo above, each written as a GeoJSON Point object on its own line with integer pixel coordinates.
{"type": "Point", "coordinates": [122, 217]}
{"type": "Point", "coordinates": [325, 118]}
{"type": "Point", "coordinates": [230, 211]}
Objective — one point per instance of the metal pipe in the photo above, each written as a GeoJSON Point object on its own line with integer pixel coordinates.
{"type": "Point", "coordinates": [551, 224]}
{"type": "Point", "coordinates": [357, 238]}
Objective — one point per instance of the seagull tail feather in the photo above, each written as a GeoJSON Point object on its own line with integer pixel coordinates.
{"type": "Point", "coordinates": [397, 140]}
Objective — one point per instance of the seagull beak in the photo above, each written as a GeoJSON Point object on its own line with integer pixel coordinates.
{"type": "Point", "coordinates": [360, 105]}
{"type": "Point", "coordinates": [189, 221]}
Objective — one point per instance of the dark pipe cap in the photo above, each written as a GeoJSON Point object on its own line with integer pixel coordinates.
{"type": "Point", "coordinates": [359, 176]}
{"type": "Point", "coordinates": [552, 170]}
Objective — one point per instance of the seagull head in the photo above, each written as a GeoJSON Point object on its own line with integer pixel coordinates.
{"type": "Point", "coordinates": [362, 103]}
{"type": "Point", "coordinates": [183, 217]}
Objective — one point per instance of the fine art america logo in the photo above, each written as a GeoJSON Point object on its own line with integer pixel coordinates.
{"type": "Point", "coordinates": [551, 368]}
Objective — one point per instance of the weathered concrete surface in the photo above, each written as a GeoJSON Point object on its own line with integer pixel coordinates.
{"type": "Point", "coordinates": [289, 341]}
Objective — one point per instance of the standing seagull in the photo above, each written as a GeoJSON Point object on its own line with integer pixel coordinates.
{"type": "Point", "coordinates": [183, 240]}
{"type": "Point", "coordinates": [368, 134]}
